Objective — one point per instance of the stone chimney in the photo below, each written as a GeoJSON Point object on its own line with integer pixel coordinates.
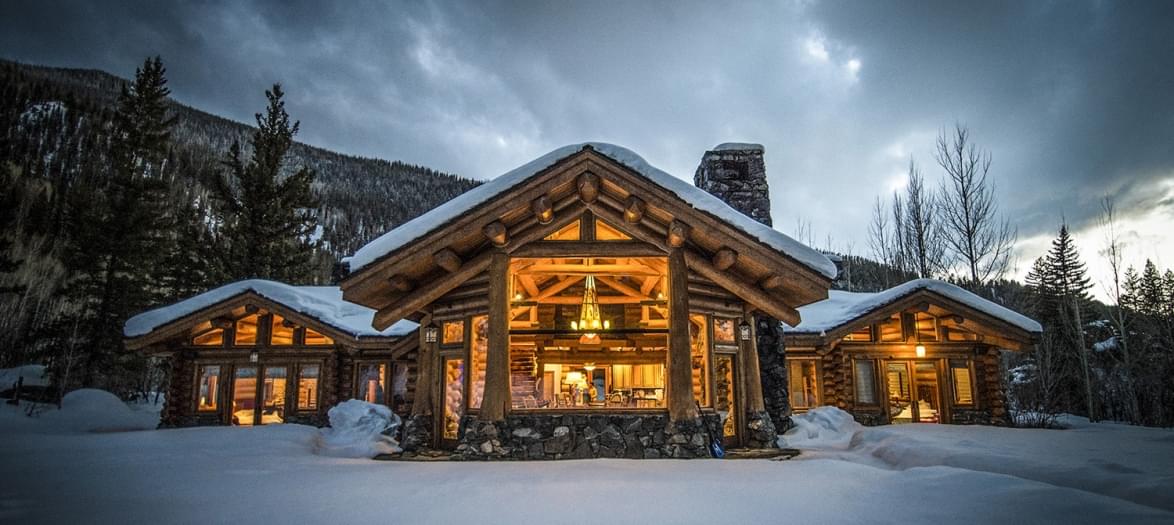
{"type": "Point", "coordinates": [736, 173]}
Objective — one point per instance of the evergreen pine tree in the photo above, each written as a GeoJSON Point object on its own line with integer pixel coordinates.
{"type": "Point", "coordinates": [267, 215]}
{"type": "Point", "coordinates": [1151, 291]}
{"type": "Point", "coordinates": [119, 225]}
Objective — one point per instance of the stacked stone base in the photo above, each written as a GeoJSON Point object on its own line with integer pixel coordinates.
{"type": "Point", "coordinates": [761, 431]}
{"type": "Point", "coordinates": [574, 436]}
{"type": "Point", "coordinates": [417, 433]}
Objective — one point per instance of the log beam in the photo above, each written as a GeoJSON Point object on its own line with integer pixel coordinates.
{"type": "Point", "coordinates": [447, 259]}
{"type": "Point", "coordinates": [496, 233]}
{"type": "Point", "coordinates": [751, 370]}
{"type": "Point", "coordinates": [543, 209]}
{"type": "Point", "coordinates": [678, 233]}
{"type": "Point", "coordinates": [425, 295]}
{"type": "Point", "coordinates": [399, 283]}
{"type": "Point", "coordinates": [422, 403]}
{"type": "Point", "coordinates": [680, 362]}
{"type": "Point", "coordinates": [496, 401]}
{"type": "Point", "coordinates": [634, 209]}
{"type": "Point", "coordinates": [588, 186]}
{"type": "Point", "coordinates": [603, 249]}
{"type": "Point", "coordinates": [724, 259]}
{"type": "Point", "coordinates": [746, 290]}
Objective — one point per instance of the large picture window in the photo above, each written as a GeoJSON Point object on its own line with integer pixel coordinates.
{"type": "Point", "coordinates": [864, 378]}
{"type": "Point", "coordinates": [804, 390]}
{"type": "Point", "coordinates": [370, 382]}
{"type": "Point", "coordinates": [308, 387]}
{"type": "Point", "coordinates": [209, 395]}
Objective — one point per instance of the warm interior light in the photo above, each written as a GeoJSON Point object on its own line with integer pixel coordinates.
{"type": "Point", "coordinates": [920, 350]}
{"type": "Point", "coordinates": [589, 367]}
{"type": "Point", "coordinates": [574, 378]}
{"type": "Point", "coordinates": [518, 296]}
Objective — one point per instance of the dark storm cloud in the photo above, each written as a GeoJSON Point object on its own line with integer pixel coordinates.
{"type": "Point", "coordinates": [1073, 99]}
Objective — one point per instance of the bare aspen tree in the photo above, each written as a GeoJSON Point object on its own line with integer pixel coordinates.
{"type": "Point", "coordinates": [900, 262]}
{"type": "Point", "coordinates": [973, 231]}
{"type": "Point", "coordinates": [1114, 289]}
{"type": "Point", "coordinates": [922, 229]}
{"type": "Point", "coordinates": [878, 237]}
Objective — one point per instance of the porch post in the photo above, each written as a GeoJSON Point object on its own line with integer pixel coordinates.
{"type": "Point", "coordinates": [422, 402]}
{"type": "Point", "coordinates": [751, 373]}
{"type": "Point", "coordinates": [496, 401]}
{"type": "Point", "coordinates": [680, 376]}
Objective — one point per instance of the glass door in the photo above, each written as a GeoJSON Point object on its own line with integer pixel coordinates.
{"type": "Point", "coordinates": [454, 399]}
{"type": "Point", "coordinates": [900, 390]}
{"type": "Point", "coordinates": [273, 401]}
{"type": "Point", "coordinates": [928, 407]}
{"type": "Point", "coordinates": [244, 396]}
{"type": "Point", "coordinates": [725, 399]}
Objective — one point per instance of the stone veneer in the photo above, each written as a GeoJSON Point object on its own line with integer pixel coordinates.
{"type": "Point", "coordinates": [417, 432]}
{"type": "Point", "coordinates": [736, 174]}
{"type": "Point", "coordinates": [581, 436]}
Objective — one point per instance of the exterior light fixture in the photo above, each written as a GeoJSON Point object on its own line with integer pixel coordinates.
{"type": "Point", "coordinates": [253, 357]}
{"type": "Point", "coordinates": [518, 296]}
{"type": "Point", "coordinates": [744, 330]}
{"type": "Point", "coordinates": [431, 333]}
{"type": "Point", "coordinates": [920, 350]}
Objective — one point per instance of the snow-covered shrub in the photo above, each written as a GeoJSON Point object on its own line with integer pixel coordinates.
{"type": "Point", "coordinates": [358, 429]}
{"type": "Point", "coordinates": [820, 427]}
{"type": "Point", "coordinates": [93, 410]}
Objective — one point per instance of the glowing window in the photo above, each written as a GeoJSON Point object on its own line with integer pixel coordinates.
{"type": "Point", "coordinates": [315, 338]}
{"type": "Point", "coordinates": [477, 352]}
{"type": "Point", "coordinates": [308, 387]}
{"type": "Point", "coordinates": [723, 331]}
{"type": "Point", "coordinates": [803, 383]}
{"type": "Point", "coordinates": [607, 232]}
{"type": "Point", "coordinates": [569, 232]}
{"type": "Point", "coordinates": [454, 402]}
{"type": "Point", "coordinates": [963, 383]}
{"type": "Point", "coordinates": [865, 380]}
{"type": "Point", "coordinates": [699, 351]}
{"type": "Point", "coordinates": [454, 332]}
{"type": "Point", "coordinates": [281, 331]}
{"type": "Point", "coordinates": [214, 337]}
{"type": "Point", "coordinates": [890, 330]}
{"type": "Point", "coordinates": [246, 331]}
{"type": "Point", "coordinates": [209, 396]}
{"type": "Point", "coordinates": [927, 327]}
{"type": "Point", "coordinates": [371, 381]}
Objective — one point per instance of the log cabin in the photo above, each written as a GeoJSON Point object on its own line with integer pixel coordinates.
{"type": "Point", "coordinates": [925, 351]}
{"type": "Point", "coordinates": [263, 352]}
{"type": "Point", "coordinates": [587, 304]}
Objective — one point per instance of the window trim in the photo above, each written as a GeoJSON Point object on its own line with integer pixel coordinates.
{"type": "Point", "coordinates": [954, 385]}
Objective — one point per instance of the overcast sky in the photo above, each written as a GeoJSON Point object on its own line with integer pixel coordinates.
{"type": "Point", "coordinates": [1074, 100]}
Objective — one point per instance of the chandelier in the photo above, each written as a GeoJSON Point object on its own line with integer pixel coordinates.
{"type": "Point", "coordinates": [590, 319]}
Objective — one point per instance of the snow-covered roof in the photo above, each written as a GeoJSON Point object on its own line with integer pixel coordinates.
{"type": "Point", "coordinates": [694, 196]}
{"type": "Point", "coordinates": [843, 307]}
{"type": "Point", "coordinates": [739, 146]}
{"type": "Point", "coordinates": [323, 303]}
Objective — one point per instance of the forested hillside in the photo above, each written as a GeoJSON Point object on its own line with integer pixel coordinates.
{"type": "Point", "coordinates": [103, 218]}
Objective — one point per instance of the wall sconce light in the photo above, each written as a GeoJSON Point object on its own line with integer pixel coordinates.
{"type": "Point", "coordinates": [744, 330]}
{"type": "Point", "coordinates": [253, 357]}
{"type": "Point", "coordinates": [431, 333]}
{"type": "Point", "coordinates": [919, 350]}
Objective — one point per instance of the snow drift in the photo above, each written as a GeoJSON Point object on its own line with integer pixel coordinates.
{"type": "Point", "coordinates": [93, 410]}
{"type": "Point", "coordinates": [358, 429]}
{"type": "Point", "coordinates": [822, 426]}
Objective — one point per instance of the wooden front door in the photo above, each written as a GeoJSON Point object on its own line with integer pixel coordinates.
{"type": "Point", "coordinates": [913, 391]}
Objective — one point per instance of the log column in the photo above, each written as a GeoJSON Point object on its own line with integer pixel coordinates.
{"type": "Point", "coordinates": [496, 401]}
{"type": "Point", "coordinates": [751, 373]}
{"type": "Point", "coordinates": [425, 373]}
{"type": "Point", "coordinates": [680, 365]}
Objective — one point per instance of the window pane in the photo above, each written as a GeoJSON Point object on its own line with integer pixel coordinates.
{"type": "Point", "coordinates": [963, 386]}
{"type": "Point", "coordinates": [927, 327]}
{"type": "Point", "coordinates": [315, 338]}
{"type": "Point", "coordinates": [699, 340]}
{"type": "Point", "coordinates": [246, 331]}
{"type": "Point", "coordinates": [209, 398]}
{"type": "Point", "coordinates": [890, 330]}
{"type": "Point", "coordinates": [281, 332]}
{"type": "Point", "coordinates": [865, 382]}
{"type": "Point", "coordinates": [802, 378]}
{"type": "Point", "coordinates": [244, 396]}
{"type": "Point", "coordinates": [308, 387]}
{"type": "Point", "coordinates": [210, 338]}
{"type": "Point", "coordinates": [724, 399]}
{"type": "Point", "coordinates": [399, 386]}
{"type": "Point", "coordinates": [454, 332]}
{"type": "Point", "coordinates": [723, 330]}
{"type": "Point", "coordinates": [477, 353]}
{"type": "Point", "coordinates": [900, 392]}
{"type": "Point", "coordinates": [569, 232]}
{"type": "Point", "coordinates": [273, 402]}
{"type": "Point", "coordinates": [371, 381]}
{"type": "Point", "coordinates": [454, 399]}
{"type": "Point", "coordinates": [607, 232]}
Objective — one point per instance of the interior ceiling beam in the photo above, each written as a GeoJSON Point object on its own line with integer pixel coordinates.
{"type": "Point", "coordinates": [527, 282]}
{"type": "Point", "coordinates": [618, 286]}
{"type": "Point", "coordinates": [592, 269]}
{"type": "Point", "coordinates": [595, 249]}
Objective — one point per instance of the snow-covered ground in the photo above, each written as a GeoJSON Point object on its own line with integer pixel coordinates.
{"type": "Point", "coordinates": [1095, 473]}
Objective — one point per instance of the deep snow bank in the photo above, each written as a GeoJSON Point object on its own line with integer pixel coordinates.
{"type": "Point", "coordinates": [821, 427]}
{"type": "Point", "coordinates": [358, 429]}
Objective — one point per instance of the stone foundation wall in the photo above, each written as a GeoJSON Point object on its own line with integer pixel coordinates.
{"type": "Point", "coordinates": [581, 436]}
{"type": "Point", "coordinates": [761, 431]}
{"type": "Point", "coordinates": [416, 433]}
